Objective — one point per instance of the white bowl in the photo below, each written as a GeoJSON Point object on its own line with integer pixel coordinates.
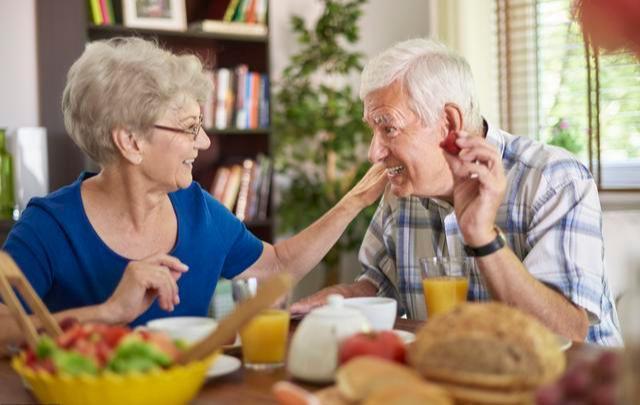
{"type": "Point", "coordinates": [380, 311]}
{"type": "Point", "coordinates": [187, 328]}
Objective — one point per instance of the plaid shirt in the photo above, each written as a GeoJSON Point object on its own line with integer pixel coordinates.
{"type": "Point", "coordinates": [551, 219]}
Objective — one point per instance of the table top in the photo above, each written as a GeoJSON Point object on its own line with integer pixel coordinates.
{"type": "Point", "coordinates": [242, 386]}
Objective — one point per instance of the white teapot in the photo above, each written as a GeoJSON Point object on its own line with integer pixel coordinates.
{"type": "Point", "coordinates": [313, 354]}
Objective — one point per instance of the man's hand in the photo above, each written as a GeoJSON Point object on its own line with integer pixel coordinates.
{"type": "Point", "coordinates": [305, 305]}
{"type": "Point", "coordinates": [142, 282]}
{"type": "Point", "coordinates": [369, 188]}
{"type": "Point", "coordinates": [479, 187]}
{"type": "Point", "coordinates": [362, 288]}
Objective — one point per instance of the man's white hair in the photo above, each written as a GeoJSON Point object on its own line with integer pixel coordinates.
{"type": "Point", "coordinates": [431, 74]}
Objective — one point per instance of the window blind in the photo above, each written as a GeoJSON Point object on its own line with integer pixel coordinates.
{"type": "Point", "coordinates": [556, 88]}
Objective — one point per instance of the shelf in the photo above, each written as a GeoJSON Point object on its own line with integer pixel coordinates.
{"type": "Point", "coordinates": [258, 223]}
{"type": "Point", "coordinates": [108, 31]}
{"type": "Point", "coordinates": [236, 131]}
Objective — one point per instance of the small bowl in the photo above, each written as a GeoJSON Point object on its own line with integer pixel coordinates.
{"type": "Point", "coordinates": [380, 311]}
{"type": "Point", "coordinates": [189, 329]}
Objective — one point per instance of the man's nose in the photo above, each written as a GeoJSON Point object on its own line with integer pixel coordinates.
{"type": "Point", "coordinates": [377, 150]}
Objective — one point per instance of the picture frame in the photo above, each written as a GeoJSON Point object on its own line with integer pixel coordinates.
{"type": "Point", "coordinates": [155, 14]}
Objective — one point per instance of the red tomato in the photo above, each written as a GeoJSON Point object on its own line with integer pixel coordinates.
{"type": "Point", "coordinates": [385, 344]}
{"type": "Point", "coordinates": [113, 334]}
{"type": "Point", "coordinates": [71, 336]}
{"type": "Point", "coordinates": [449, 144]}
{"type": "Point", "coordinates": [103, 353]}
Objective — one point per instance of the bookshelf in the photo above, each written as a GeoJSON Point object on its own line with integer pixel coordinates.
{"type": "Point", "coordinates": [62, 41]}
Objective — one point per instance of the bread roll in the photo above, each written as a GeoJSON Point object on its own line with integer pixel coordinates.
{"type": "Point", "coordinates": [487, 345]}
{"type": "Point", "coordinates": [360, 376]}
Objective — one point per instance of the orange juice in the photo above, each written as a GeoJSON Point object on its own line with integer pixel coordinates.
{"type": "Point", "coordinates": [264, 339]}
{"type": "Point", "coordinates": [442, 294]}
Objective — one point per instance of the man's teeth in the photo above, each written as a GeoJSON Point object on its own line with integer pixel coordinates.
{"type": "Point", "coordinates": [188, 162]}
{"type": "Point", "coordinates": [395, 170]}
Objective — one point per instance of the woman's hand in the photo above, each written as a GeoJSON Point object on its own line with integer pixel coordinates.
{"type": "Point", "coordinates": [479, 187]}
{"type": "Point", "coordinates": [369, 188]}
{"type": "Point", "coordinates": [142, 282]}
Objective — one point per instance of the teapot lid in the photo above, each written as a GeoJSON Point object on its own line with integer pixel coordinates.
{"type": "Point", "coordinates": [335, 308]}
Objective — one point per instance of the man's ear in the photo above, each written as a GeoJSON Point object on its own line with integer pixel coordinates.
{"type": "Point", "coordinates": [128, 144]}
{"type": "Point", "coordinates": [453, 118]}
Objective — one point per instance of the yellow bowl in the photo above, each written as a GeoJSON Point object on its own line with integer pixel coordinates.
{"type": "Point", "coordinates": [176, 385]}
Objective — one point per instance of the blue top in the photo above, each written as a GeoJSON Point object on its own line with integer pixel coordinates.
{"type": "Point", "coordinates": [69, 266]}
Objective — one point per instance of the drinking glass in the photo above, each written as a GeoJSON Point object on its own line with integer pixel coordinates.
{"type": "Point", "coordinates": [264, 338]}
{"type": "Point", "coordinates": [445, 282]}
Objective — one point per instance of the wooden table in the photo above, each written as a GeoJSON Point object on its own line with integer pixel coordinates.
{"type": "Point", "coordinates": [240, 387]}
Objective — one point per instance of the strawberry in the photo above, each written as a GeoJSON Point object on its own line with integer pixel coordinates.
{"type": "Point", "coordinates": [449, 144]}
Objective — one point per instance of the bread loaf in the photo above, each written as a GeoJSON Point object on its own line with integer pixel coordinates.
{"type": "Point", "coordinates": [487, 345]}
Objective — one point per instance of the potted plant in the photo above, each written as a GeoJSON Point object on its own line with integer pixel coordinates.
{"type": "Point", "coordinates": [320, 139]}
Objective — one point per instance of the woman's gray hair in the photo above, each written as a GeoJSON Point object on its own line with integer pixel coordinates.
{"type": "Point", "coordinates": [432, 75]}
{"type": "Point", "coordinates": [125, 83]}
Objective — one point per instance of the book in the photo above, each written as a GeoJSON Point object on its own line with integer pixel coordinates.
{"type": "Point", "coordinates": [254, 100]}
{"type": "Point", "coordinates": [240, 11]}
{"type": "Point", "coordinates": [232, 187]}
{"type": "Point", "coordinates": [231, 28]}
{"type": "Point", "coordinates": [231, 10]}
{"type": "Point", "coordinates": [223, 88]}
{"type": "Point", "coordinates": [106, 18]}
{"type": "Point", "coordinates": [252, 196]}
{"type": "Point", "coordinates": [219, 183]}
{"type": "Point", "coordinates": [265, 188]}
{"type": "Point", "coordinates": [250, 13]}
{"type": "Point", "coordinates": [261, 11]}
{"type": "Point", "coordinates": [264, 101]}
{"type": "Point", "coordinates": [243, 193]}
{"type": "Point", "coordinates": [96, 12]}
{"type": "Point", "coordinates": [241, 72]}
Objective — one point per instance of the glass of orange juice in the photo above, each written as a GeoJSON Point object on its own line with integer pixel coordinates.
{"type": "Point", "coordinates": [445, 281]}
{"type": "Point", "coordinates": [264, 338]}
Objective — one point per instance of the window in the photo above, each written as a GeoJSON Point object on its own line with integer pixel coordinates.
{"type": "Point", "coordinates": [554, 87]}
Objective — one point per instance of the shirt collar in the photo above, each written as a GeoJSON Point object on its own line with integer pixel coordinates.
{"type": "Point", "coordinates": [494, 136]}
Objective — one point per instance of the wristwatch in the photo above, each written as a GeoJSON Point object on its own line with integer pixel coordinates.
{"type": "Point", "coordinates": [485, 250]}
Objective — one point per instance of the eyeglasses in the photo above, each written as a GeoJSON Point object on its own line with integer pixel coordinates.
{"type": "Point", "coordinates": [195, 130]}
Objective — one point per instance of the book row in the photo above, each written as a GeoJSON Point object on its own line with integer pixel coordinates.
{"type": "Point", "coordinates": [240, 99]}
{"type": "Point", "coordinates": [244, 188]}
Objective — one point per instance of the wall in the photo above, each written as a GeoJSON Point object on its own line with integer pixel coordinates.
{"type": "Point", "coordinates": [383, 23]}
{"type": "Point", "coordinates": [18, 80]}
{"type": "Point", "coordinates": [469, 27]}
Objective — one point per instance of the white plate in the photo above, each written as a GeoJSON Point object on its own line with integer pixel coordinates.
{"type": "Point", "coordinates": [406, 336]}
{"type": "Point", "coordinates": [223, 365]}
{"type": "Point", "coordinates": [236, 343]}
{"type": "Point", "coordinates": [563, 343]}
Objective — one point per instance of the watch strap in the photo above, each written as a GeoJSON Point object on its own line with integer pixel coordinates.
{"type": "Point", "coordinates": [485, 250]}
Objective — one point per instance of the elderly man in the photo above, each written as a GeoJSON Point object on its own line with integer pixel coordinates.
{"type": "Point", "coordinates": [528, 213]}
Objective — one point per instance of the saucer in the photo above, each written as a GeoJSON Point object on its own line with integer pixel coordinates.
{"type": "Point", "coordinates": [223, 365]}
{"type": "Point", "coordinates": [235, 345]}
{"type": "Point", "coordinates": [563, 343]}
{"type": "Point", "coordinates": [406, 336]}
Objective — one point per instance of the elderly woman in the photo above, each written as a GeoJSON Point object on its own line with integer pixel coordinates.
{"type": "Point", "coordinates": [140, 239]}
